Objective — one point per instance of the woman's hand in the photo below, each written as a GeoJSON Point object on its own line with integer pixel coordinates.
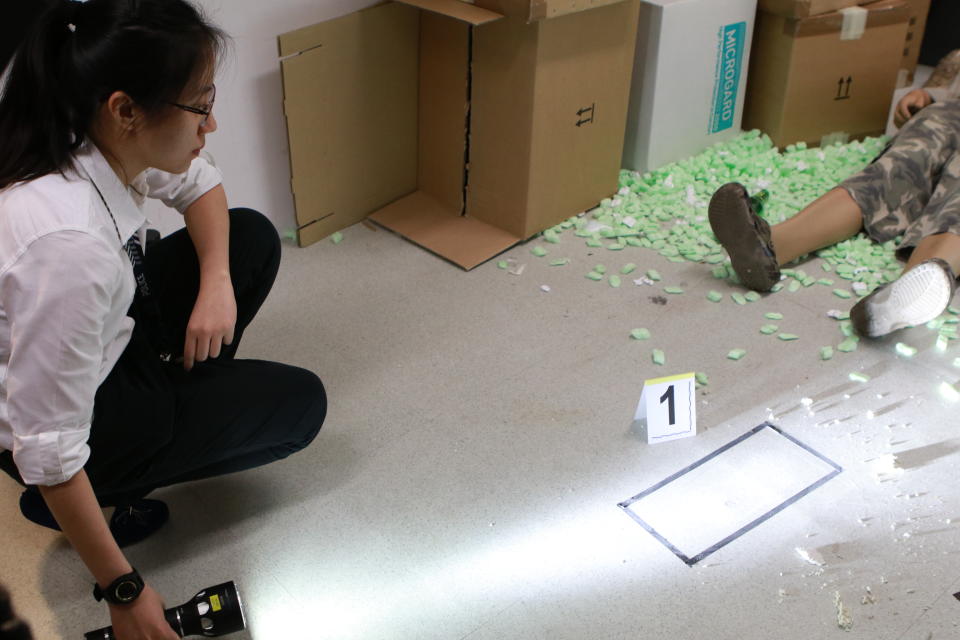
{"type": "Point", "coordinates": [142, 619]}
{"type": "Point", "coordinates": [910, 104]}
{"type": "Point", "coordinates": [212, 322]}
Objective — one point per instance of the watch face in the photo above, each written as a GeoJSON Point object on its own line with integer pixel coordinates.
{"type": "Point", "coordinates": [127, 591]}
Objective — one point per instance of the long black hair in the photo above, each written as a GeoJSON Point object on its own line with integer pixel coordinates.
{"type": "Point", "coordinates": [76, 55]}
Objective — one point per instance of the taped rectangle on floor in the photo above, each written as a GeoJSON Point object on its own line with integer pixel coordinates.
{"type": "Point", "coordinates": [728, 492]}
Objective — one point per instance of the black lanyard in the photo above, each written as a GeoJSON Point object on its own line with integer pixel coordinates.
{"type": "Point", "coordinates": [146, 302]}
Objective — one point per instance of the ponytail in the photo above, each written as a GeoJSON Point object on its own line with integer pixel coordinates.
{"type": "Point", "coordinates": [18, 18]}
{"type": "Point", "coordinates": [76, 56]}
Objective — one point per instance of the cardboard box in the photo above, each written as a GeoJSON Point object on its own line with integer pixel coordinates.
{"type": "Point", "coordinates": [919, 9]}
{"type": "Point", "coordinates": [806, 8]}
{"type": "Point", "coordinates": [465, 128]}
{"type": "Point", "coordinates": [688, 79]}
{"type": "Point", "coordinates": [833, 73]}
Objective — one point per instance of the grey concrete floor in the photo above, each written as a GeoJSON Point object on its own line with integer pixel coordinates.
{"type": "Point", "coordinates": [479, 439]}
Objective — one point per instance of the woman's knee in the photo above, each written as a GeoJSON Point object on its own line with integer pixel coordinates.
{"type": "Point", "coordinates": [308, 400]}
{"type": "Point", "coordinates": [255, 233]}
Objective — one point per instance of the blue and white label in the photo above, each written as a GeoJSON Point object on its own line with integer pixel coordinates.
{"type": "Point", "coordinates": [727, 77]}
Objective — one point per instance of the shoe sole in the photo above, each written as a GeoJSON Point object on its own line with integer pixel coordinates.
{"type": "Point", "coordinates": [916, 297]}
{"type": "Point", "coordinates": [732, 223]}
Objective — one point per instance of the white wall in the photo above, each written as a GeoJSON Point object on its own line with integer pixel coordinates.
{"type": "Point", "coordinates": [250, 145]}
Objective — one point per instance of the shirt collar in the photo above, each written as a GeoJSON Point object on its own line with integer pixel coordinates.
{"type": "Point", "coordinates": [119, 199]}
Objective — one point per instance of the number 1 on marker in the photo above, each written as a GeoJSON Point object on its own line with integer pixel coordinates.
{"type": "Point", "coordinates": [668, 397]}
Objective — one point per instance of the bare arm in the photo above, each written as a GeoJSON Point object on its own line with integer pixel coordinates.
{"type": "Point", "coordinates": [75, 507]}
{"type": "Point", "coordinates": [214, 314]}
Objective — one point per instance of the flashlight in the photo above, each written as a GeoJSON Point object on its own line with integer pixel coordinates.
{"type": "Point", "coordinates": [215, 611]}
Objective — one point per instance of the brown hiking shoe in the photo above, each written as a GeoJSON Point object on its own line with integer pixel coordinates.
{"type": "Point", "coordinates": [918, 296]}
{"type": "Point", "coordinates": [745, 236]}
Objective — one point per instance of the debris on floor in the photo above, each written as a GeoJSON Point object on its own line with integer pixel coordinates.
{"type": "Point", "coordinates": [811, 556]}
{"type": "Point", "coordinates": [844, 621]}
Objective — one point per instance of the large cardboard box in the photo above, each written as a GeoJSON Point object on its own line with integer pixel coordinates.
{"type": "Point", "coordinates": [919, 9]}
{"type": "Point", "coordinates": [464, 127]}
{"type": "Point", "coordinates": [806, 8]}
{"type": "Point", "coordinates": [688, 79]}
{"type": "Point", "coordinates": [826, 74]}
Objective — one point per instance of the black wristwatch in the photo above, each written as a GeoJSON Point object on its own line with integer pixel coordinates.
{"type": "Point", "coordinates": [123, 590]}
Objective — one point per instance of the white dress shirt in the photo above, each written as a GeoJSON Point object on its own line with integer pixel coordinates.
{"type": "Point", "coordinates": [66, 284]}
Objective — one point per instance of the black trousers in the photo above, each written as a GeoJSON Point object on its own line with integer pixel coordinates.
{"type": "Point", "coordinates": [155, 424]}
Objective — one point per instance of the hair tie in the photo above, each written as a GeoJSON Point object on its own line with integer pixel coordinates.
{"type": "Point", "coordinates": [73, 6]}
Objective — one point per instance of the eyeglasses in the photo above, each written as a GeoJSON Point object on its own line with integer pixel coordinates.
{"type": "Point", "coordinates": [204, 110]}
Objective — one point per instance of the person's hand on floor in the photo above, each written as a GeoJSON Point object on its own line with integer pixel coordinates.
{"type": "Point", "coordinates": [142, 619]}
{"type": "Point", "coordinates": [909, 105]}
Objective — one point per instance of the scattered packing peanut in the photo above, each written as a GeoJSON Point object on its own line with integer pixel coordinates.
{"type": "Point", "coordinates": [848, 345]}
{"type": "Point", "coordinates": [906, 350]}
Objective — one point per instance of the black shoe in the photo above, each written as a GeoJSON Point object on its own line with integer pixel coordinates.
{"type": "Point", "coordinates": [745, 236]}
{"type": "Point", "coordinates": [138, 521]}
{"type": "Point", "coordinates": [129, 524]}
{"type": "Point", "coordinates": [34, 508]}
{"type": "Point", "coordinates": [918, 296]}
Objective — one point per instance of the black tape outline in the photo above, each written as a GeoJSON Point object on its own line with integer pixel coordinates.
{"type": "Point", "coordinates": [690, 561]}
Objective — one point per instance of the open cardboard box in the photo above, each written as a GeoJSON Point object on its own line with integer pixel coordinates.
{"type": "Point", "coordinates": [464, 127]}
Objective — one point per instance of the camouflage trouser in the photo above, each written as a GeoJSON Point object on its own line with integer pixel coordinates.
{"type": "Point", "coordinates": [913, 187]}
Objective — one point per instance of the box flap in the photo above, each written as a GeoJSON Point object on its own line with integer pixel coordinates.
{"type": "Point", "coordinates": [880, 13]}
{"type": "Point", "coordinates": [545, 9]}
{"type": "Point", "coordinates": [462, 240]}
{"type": "Point", "coordinates": [456, 9]}
{"type": "Point", "coordinates": [350, 100]}
{"type": "Point", "coordinates": [805, 8]}
{"type": "Point", "coordinates": [535, 10]}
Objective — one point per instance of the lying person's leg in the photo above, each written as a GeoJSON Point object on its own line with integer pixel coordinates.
{"type": "Point", "coordinates": [888, 198]}
{"type": "Point", "coordinates": [928, 282]}
{"type": "Point", "coordinates": [757, 250]}
{"type": "Point", "coordinates": [831, 218]}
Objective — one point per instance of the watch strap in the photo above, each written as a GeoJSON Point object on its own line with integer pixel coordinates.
{"type": "Point", "coordinates": [123, 590]}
